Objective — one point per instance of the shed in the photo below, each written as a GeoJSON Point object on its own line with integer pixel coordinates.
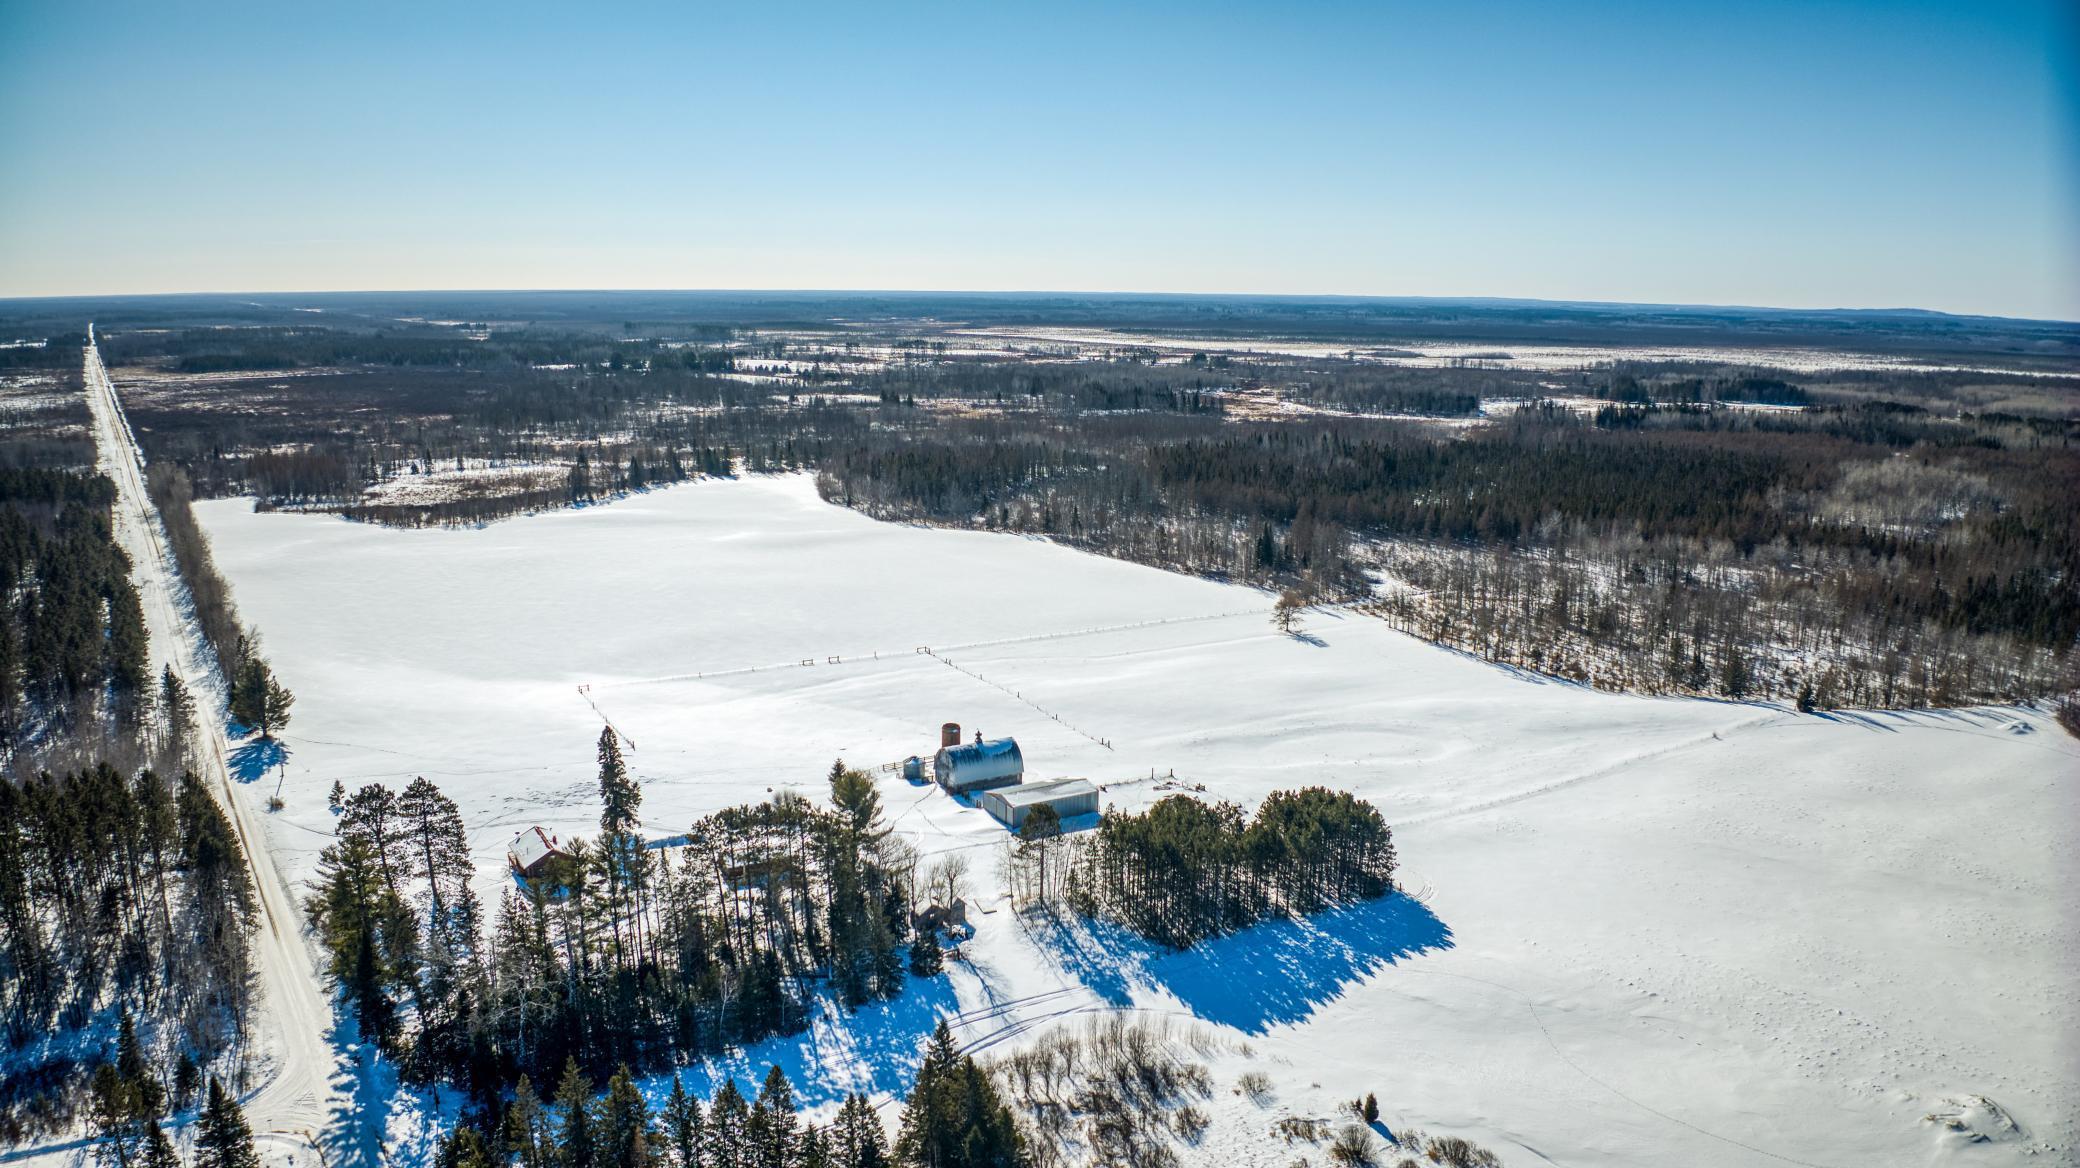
{"type": "Point", "coordinates": [1068, 797]}
{"type": "Point", "coordinates": [942, 918]}
{"type": "Point", "coordinates": [532, 850]}
{"type": "Point", "coordinates": [978, 766]}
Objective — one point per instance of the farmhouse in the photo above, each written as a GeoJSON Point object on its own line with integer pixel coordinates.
{"type": "Point", "coordinates": [979, 765]}
{"type": "Point", "coordinates": [531, 851]}
{"type": "Point", "coordinates": [1068, 797]}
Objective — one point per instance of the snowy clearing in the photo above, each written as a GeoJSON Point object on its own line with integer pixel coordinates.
{"type": "Point", "coordinates": [1641, 931]}
{"type": "Point", "coordinates": [1417, 353]}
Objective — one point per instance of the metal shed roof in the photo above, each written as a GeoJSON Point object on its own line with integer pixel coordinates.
{"type": "Point", "coordinates": [1031, 793]}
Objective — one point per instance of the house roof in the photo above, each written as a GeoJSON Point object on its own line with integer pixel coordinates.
{"type": "Point", "coordinates": [530, 846]}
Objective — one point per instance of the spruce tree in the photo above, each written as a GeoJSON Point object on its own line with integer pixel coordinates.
{"type": "Point", "coordinates": [187, 1080]}
{"type": "Point", "coordinates": [176, 707]}
{"type": "Point", "coordinates": [622, 855]}
{"type": "Point", "coordinates": [222, 1137]}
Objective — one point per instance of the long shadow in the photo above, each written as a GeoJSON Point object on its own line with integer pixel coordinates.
{"type": "Point", "coordinates": [879, 1045]}
{"type": "Point", "coordinates": [365, 1087]}
{"type": "Point", "coordinates": [1273, 974]}
{"type": "Point", "coordinates": [252, 760]}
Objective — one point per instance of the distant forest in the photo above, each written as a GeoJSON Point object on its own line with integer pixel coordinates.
{"type": "Point", "coordinates": [1864, 537]}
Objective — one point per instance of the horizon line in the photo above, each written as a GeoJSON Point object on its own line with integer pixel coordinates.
{"type": "Point", "coordinates": [1299, 297]}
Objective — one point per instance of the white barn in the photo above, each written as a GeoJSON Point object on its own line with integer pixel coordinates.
{"type": "Point", "coordinates": [1069, 798]}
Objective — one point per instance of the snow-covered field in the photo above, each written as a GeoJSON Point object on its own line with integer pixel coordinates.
{"type": "Point", "coordinates": [1432, 354]}
{"type": "Point", "coordinates": [1645, 932]}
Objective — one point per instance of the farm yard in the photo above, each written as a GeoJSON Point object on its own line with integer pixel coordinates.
{"type": "Point", "coordinates": [1634, 930]}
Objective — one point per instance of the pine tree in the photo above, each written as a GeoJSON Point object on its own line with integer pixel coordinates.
{"type": "Point", "coordinates": [147, 1099]}
{"type": "Point", "coordinates": [258, 700]}
{"type": "Point", "coordinates": [176, 707]}
{"type": "Point", "coordinates": [223, 1139]}
{"type": "Point", "coordinates": [158, 1151]}
{"type": "Point", "coordinates": [728, 1117]}
{"type": "Point", "coordinates": [624, 1125]}
{"type": "Point", "coordinates": [352, 910]}
{"type": "Point", "coordinates": [432, 833]}
{"type": "Point", "coordinates": [813, 1151]}
{"type": "Point", "coordinates": [857, 1139]}
{"type": "Point", "coordinates": [926, 958]}
{"type": "Point", "coordinates": [577, 1142]}
{"type": "Point", "coordinates": [526, 1128]}
{"type": "Point", "coordinates": [682, 1126]}
{"type": "Point", "coordinates": [954, 1117]}
{"type": "Point", "coordinates": [466, 1147]}
{"type": "Point", "coordinates": [773, 1131]}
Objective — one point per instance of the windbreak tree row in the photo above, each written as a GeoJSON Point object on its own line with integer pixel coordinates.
{"type": "Point", "coordinates": [1185, 870]}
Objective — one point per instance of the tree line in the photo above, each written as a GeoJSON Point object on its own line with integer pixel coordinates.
{"type": "Point", "coordinates": [1185, 870]}
{"type": "Point", "coordinates": [121, 895]}
{"type": "Point", "coordinates": [954, 1117]}
{"type": "Point", "coordinates": [72, 636]}
{"type": "Point", "coordinates": [616, 951]}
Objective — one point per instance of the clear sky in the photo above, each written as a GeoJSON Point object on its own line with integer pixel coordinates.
{"type": "Point", "coordinates": [1885, 154]}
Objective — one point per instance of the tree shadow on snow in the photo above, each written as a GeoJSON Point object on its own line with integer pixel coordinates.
{"type": "Point", "coordinates": [874, 1050]}
{"type": "Point", "coordinates": [364, 1086]}
{"type": "Point", "coordinates": [1273, 974]}
{"type": "Point", "coordinates": [252, 760]}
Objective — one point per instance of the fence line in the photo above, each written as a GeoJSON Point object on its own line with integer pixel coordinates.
{"type": "Point", "coordinates": [875, 655]}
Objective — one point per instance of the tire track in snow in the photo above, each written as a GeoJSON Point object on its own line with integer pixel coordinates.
{"type": "Point", "coordinates": [899, 655]}
{"type": "Point", "coordinates": [1601, 772]}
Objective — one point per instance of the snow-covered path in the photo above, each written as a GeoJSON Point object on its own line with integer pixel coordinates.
{"type": "Point", "coordinates": [296, 1104]}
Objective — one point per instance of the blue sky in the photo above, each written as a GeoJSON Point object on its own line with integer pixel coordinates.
{"type": "Point", "coordinates": [1797, 154]}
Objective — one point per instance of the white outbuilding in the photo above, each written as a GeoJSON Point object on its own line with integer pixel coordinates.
{"type": "Point", "coordinates": [1069, 798]}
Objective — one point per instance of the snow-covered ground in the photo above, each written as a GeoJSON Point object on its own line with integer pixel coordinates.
{"type": "Point", "coordinates": [1432, 354]}
{"type": "Point", "coordinates": [1646, 932]}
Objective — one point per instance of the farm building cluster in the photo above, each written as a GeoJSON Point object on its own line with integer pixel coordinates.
{"type": "Point", "coordinates": [991, 772]}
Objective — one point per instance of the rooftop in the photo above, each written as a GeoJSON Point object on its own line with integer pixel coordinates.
{"type": "Point", "coordinates": [1027, 794]}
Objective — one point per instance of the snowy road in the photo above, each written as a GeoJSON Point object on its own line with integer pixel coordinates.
{"type": "Point", "coordinates": [296, 1099]}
